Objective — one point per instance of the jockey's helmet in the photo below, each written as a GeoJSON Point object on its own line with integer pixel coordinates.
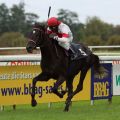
{"type": "Point", "coordinates": [53, 21]}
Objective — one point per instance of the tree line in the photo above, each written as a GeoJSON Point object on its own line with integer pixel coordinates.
{"type": "Point", "coordinates": [15, 23]}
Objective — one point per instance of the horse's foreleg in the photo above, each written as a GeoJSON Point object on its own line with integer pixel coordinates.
{"type": "Point", "coordinates": [33, 101]}
{"type": "Point", "coordinates": [60, 80]}
{"type": "Point", "coordinates": [69, 85]}
{"type": "Point", "coordinates": [40, 77]}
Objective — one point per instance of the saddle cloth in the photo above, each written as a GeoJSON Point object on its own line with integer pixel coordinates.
{"type": "Point", "coordinates": [80, 51]}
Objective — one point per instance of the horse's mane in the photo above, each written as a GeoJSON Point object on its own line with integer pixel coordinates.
{"type": "Point", "coordinates": [39, 25]}
{"type": "Point", "coordinates": [53, 42]}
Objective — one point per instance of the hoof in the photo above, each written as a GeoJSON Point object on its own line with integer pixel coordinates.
{"type": "Point", "coordinates": [33, 103]}
{"type": "Point", "coordinates": [61, 96]}
{"type": "Point", "coordinates": [63, 93]}
{"type": "Point", "coordinates": [66, 109]}
{"type": "Point", "coordinates": [68, 104]}
{"type": "Point", "coordinates": [57, 93]}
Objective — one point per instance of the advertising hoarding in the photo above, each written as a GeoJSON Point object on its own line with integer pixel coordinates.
{"type": "Point", "coordinates": [101, 84]}
{"type": "Point", "coordinates": [15, 86]}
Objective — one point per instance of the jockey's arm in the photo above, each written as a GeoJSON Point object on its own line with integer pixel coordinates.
{"type": "Point", "coordinates": [48, 31]}
{"type": "Point", "coordinates": [66, 35]}
{"type": "Point", "coordinates": [64, 39]}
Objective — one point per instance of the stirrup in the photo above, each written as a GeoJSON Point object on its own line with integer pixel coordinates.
{"type": "Point", "coordinates": [73, 56]}
{"type": "Point", "coordinates": [71, 49]}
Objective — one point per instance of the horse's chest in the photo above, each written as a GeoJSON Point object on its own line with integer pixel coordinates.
{"type": "Point", "coordinates": [53, 68]}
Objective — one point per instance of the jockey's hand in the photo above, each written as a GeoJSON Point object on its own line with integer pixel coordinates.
{"type": "Point", "coordinates": [52, 35]}
{"type": "Point", "coordinates": [55, 37]}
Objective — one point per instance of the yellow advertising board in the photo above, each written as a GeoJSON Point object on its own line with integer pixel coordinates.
{"type": "Point", "coordinates": [15, 86]}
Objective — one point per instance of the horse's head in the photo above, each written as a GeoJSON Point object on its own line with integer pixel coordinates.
{"type": "Point", "coordinates": [35, 37]}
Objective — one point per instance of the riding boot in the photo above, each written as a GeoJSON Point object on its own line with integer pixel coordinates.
{"type": "Point", "coordinates": [72, 54]}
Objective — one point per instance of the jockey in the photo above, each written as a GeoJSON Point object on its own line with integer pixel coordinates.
{"type": "Point", "coordinates": [60, 32]}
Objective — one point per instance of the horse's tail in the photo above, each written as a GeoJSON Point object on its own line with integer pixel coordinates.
{"type": "Point", "coordinates": [96, 63]}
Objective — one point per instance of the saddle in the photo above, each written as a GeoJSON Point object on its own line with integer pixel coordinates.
{"type": "Point", "coordinates": [76, 51]}
{"type": "Point", "coordinates": [79, 51]}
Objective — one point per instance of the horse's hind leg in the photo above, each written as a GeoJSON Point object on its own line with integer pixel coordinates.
{"type": "Point", "coordinates": [60, 80]}
{"type": "Point", "coordinates": [40, 77]}
{"type": "Point", "coordinates": [69, 85]}
{"type": "Point", "coordinates": [78, 89]}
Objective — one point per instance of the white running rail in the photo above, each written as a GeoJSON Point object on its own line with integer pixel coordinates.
{"type": "Point", "coordinates": [91, 47]}
{"type": "Point", "coordinates": [37, 57]}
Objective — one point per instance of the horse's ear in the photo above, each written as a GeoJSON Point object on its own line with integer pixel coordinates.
{"type": "Point", "coordinates": [42, 25]}
{"type": "Point", "coordinates": [36, 24]}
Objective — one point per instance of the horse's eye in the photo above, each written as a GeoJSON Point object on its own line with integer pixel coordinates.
{"type": "Point", "coordinates": [33, 31]}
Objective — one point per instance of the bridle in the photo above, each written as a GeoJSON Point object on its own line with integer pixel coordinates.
{"type": "Point", "coordinates": [41, 34]}
{"type": "Point", "coordinates": [41, 31]}
{"type": "Point", "coordinates": [35, 42]}
{"type": "Point", "coordinates": [32, 41]}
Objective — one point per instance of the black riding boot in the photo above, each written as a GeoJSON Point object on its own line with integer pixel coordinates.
{"type": "Point", "coordinates": [72, 54]}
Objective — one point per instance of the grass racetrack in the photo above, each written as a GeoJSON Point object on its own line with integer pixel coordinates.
{"type": "Point", "coordinates": [81, 110]}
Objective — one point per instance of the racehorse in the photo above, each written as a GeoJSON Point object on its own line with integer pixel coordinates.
{"type": "Point", "coordinates": [56, 64]}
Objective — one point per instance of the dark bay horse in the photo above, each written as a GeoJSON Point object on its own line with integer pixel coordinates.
{"type": "Point", "coordinates": [57, 65]}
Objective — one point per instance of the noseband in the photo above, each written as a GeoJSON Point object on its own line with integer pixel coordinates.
{"type": "Point", "coordinates": [32, 41]}
{"type": "Point", "coordinates": [39, 30]}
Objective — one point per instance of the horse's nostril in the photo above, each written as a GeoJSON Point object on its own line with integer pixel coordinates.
{"type": "Point", "coordinates": [29, 49]}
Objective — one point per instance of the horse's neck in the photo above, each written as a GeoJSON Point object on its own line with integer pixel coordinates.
{"type": "Point", "coordinates": [47, 52]}
{"type": "Point", "coordinates": [52, 51]}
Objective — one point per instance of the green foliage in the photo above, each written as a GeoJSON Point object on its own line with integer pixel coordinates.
{"type": "Point", "coordinates": [12, 39]}
{"type": "Point", "coordinates": [15, 19]}
{"type": "Point", "coordinates": [114, 40]}
{"type": "Point", "coordinates": [71, 19]}
{"type": "Point", "coordinates": [4, 18]}
{"type": "Point", "coordinates": [95, 26]}
{"type": "Point", "coordinates": [116, 30]}
{"type": "Point", "coordinates": [93, 32]}
{"type": "Point", "coordinates": [93, 40]}
{"type": "Point", "coordinates": [81, 110]}
{"type": "Point", "coordinates": [68, 17]}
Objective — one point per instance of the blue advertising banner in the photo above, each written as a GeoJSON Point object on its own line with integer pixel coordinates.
{"type": "Point", "coordinates": [101, 83]}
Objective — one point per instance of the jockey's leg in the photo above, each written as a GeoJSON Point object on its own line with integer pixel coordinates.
{"type": "Point", "coordinates": [72, 53]}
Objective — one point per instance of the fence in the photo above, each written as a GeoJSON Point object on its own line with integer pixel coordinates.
{"type": "Point", "coordinates": [91, 48]}
{"type": "Point", "coordinates": [37, 57]}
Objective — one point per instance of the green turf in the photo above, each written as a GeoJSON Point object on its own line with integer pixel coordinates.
{"type": "Point", "coordinates": [81, 110]}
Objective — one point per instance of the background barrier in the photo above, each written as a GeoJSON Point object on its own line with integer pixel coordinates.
{"type": "Point", "coordinates": [15, 85]}
{"type": "Point", "coordinates": [15, 82]}
{"type": "Point", "coordinates": [116, 79]}
{"type": "Point", "coordinates": [37, 58]}
{"type": "Point", "coordinates": [11, 63]}
{"type": "Point", "coordinates": [101, 85]}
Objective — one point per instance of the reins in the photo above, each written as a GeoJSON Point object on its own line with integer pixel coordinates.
{"type": "Point", "coordinates": [56, 50]}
